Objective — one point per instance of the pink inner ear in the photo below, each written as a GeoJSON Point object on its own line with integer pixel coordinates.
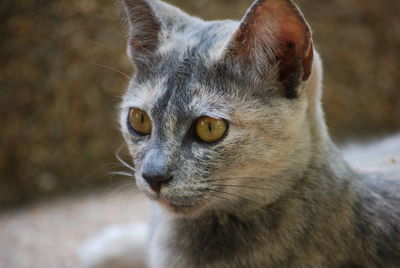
{"type": "Point", "coordinates": [291, 25]}
{"type": "Point", "coordinates": [292, 33]}
{"type": "Point", "coordinates": [280, 26]}
{"type": "Point", "coordinates": [293, 29]}
{"type": "Point", "coordinates": [295, 41]}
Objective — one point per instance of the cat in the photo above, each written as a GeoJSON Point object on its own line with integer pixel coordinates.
{"type": "Point", "coordinates": [224, 123]}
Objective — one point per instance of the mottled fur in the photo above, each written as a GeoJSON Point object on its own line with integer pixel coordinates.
{"type": "Point", "coordinates": [274, 192]}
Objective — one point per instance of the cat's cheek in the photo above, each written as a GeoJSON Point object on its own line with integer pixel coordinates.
{"type": "Point", "coordinates": [135, 146]}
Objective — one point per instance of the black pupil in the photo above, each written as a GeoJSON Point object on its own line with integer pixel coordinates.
{"type": "Point", "coordinates": [209, 127]}
{"type": "Point", "coordinates": [142, 118]}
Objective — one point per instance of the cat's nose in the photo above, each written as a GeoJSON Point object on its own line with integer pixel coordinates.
{"type": "Point", "coordinates": [155, 181]}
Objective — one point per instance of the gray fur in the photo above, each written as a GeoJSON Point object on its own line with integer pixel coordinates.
{"type": "Point", "coordinates": [274, 192]}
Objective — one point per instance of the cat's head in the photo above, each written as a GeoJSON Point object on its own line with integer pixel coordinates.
{"type": "Point", "coordinates": [217, 113]}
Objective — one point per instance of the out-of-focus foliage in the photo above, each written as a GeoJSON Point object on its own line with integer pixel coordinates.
{"type": "Point", "coordinates": [58, 92]}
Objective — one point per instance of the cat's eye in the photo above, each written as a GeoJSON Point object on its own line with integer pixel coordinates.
{"type": "Point", "coordinates": [210, 129]}
{"type": "Point", "coordinates": [140, 122]}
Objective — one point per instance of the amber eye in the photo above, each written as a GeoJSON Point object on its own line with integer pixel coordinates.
{"type": "Point", "coordinates": [140, 121]}
{"type": "Point", "coordinates": [210, 129]}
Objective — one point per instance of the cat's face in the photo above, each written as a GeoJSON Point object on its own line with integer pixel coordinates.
{"type": "Point", "coordinates": [194, 71]}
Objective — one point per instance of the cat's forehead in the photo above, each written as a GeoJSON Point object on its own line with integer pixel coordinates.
{"type": "Point", "coordinates": [184, 96]}
{"type": "Point", "coordinates": [208, 39]}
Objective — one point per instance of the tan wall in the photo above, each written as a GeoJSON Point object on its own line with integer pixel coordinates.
{"type": "Point", "coordinates": [58, 131]}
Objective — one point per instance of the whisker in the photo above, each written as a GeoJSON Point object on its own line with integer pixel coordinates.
{"type": "Point", "coordinates": [236, 178]}
{"type": "Point", "coordinates": [246, 198]}
{"type": "Point", "coordinates": [105, 46]}
{"type": "Point", "coordinates": [255, 180]}
{"type": "Point", "coordinates": [242, 186]}
{"type": "Point", "coordinates": [219, 196]}
{"type": "Point", "coordinates": [118, 165]}
{"type": "Point", "coordinates": [124, 187]}
{"type": "Point", "coordinates": [115, 70]}
{"type": "Point", "coordinates": [250, 201]}
{"type": "Point", "coordinates": [121, 173]}
{"type": "Point", "coordinates": [122, 161]}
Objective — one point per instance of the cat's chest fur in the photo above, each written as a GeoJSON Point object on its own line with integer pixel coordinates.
{"type": "Point", "coordinates": [256, 243]}
{"type": "Point", "coordinates": [213, 241]}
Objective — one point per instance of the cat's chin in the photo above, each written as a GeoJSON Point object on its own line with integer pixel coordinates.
{"type": "Point", "coordinates": [191, 210]}
{"type": "Point", "coordinates": [181, 208]}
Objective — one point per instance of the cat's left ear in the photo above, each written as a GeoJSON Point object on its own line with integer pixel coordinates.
{"type": "Point", "coordinates": [274, 34]}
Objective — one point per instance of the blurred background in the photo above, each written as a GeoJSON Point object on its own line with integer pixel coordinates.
{"type": "Point", "coordinates": [61, 78]}
{"type": "Point", "coordinates": [63, 66]}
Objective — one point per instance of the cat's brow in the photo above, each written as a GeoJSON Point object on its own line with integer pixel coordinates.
{"type": "Point", "coordinates": [208, 106]}
{"type": "Point", "coordinates": [143, 96]}
{"type": "Point", "coordinates": [215, 113]}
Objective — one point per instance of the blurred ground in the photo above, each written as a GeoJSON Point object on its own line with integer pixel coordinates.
{"type": "Point", "coordinates": [60, 82]}
{"type": "Point", "coordinates": [47, 235]}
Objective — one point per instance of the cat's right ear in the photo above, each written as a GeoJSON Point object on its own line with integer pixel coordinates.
{"type": "Point", "coordinates": [144, 27]}
{"type": "Point", "coordinates": [149, 21]}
